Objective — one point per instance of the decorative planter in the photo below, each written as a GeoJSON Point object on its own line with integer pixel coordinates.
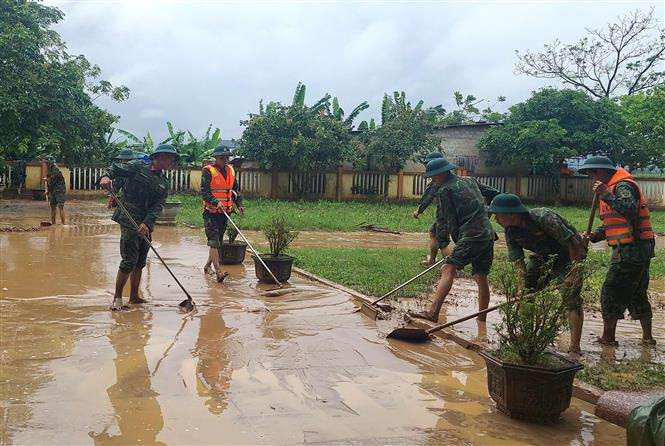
{"type": "Point", "coordinates": [232, 253]}
{"type": "Point", "coordinates": [530, 392]}
{"type": "Point", "coordinates": [279, 265]}
{"type": "Point", "coordinates": [169, 213]}
{"type": "Point", "coordinates": [38, 194]}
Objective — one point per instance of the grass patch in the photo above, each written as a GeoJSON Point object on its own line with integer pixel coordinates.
{"type": "Point", "coordinates": [631, 374]}
{"type": "Point", "coordinates": [375, 271]}
{"type": "Point", "coordinates": [371, 271]}
{"type": "Point", "coordinates": [346, 216]}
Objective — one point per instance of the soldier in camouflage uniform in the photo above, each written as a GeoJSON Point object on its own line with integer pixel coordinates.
{"type": "Point", "coordinates": [144, 194]}
{"type": "Point", "coordinates": [464, 215]}
{"type": "Point", "coordinates": [56, 189]}
{"type": "Point", "coordinates": [556, 246]}
{"type": "Point", "coordinates": [439, 238]}
{"type": "Point", "coordinates": [125, 156]}
{"type": "Point", "coordinates": [627, 229]}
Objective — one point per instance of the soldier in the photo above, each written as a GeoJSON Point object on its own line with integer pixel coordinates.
{"type": "Point", "coordinates": [554, 242]}
{"type": "Point", "coordinates": [220, 190]}
{"type": "Point", "coordinates": [56, 189]}
{"type": "Point", "coordinates": [464, 214]}
{"type": "Point", "coordinates": [627, 229]}
{"type": "Point", "coordinates": [125, 156]}
{"type": "Point", "coordinates": [438, 236]}
{"type": "Point", "coordinates": [144, 193]}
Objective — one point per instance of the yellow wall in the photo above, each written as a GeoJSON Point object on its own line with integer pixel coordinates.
{"type": "Point", "coordinates": [195, 180]}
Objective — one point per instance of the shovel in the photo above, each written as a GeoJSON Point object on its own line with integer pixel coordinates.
{"type": "Point", "coordinates": [256, 254]}
{"type": "Point", "coordinates": [187, 304]}
{"type": "Point", "coordinates": [422, 335]}
{"type": "Point", "coordinates": [371, 311]}
{"type": "Point", "coordinates": [46, 223]}
{"type": "Point", "coordinates": [594, 206]}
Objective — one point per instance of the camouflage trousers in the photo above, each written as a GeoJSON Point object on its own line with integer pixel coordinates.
{"type": "Point", "coordinates": [133, 249]}
{"type": "Point", "coordinates": [215, 226]}
{"type": "Point", "coordinates": [56, 198]}
{"type": "Point", "coordinates": [442, 237]}
{"type": "Point", "coordinates": [625, 288]}
{"type": "Point", "coordinates": [540, 271]}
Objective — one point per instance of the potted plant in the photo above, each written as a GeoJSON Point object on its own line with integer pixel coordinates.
{"type": "Point", "coordinates": [232, 252]}
{"type": "Point", "coordinates": [525, 379]}
{"type": "Point", "coordinates": [279, 238]}
{"type": "Point", "coordinates": [169, 213]}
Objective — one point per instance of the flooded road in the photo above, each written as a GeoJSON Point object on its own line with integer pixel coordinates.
{"type": "Point", "coordinates": [243, 369]}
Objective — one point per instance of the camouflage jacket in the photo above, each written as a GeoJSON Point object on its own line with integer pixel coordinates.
{"type": "Point", "coordinates": [464, 209]}
{"type": "Point", "coordinates": [144, 192]}
{"type": "Point", "coordinates": [55, 180]}
{"type": "Point", "coordinates": [544, 233]}
{"type": "Point", "coordinates": [428, 197]}
{"type": "Point", "coordinates": [624, 200]}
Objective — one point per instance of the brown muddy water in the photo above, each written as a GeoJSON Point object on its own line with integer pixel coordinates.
{"type": "Point", "coordinates": [243, 369]}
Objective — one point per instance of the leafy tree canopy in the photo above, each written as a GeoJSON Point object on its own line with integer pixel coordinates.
{"type": "Point", "coordinates": [553, 125]}
{"type": "Point", "coordinates": [298, 138]}
{"type": "Point", "coordinates": [46, 94]}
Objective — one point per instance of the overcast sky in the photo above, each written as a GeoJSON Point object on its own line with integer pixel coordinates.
{"type": "Point", "coordinates": [196, 63]}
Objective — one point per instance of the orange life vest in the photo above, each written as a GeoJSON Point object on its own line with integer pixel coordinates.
{"type": "Point", "coordinates": [618, 230]}
{"type": "Point", "coordinates": [221, 188]}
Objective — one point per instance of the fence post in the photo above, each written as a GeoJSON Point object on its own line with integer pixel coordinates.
{"type": "Point", "coordinates": [400, 185]}
{"type": "Point", "coordinates": [338, 183]}
{"type": "Point", "coordinates": [518, 184]}
{"type": "Point", "coordinates": [274, 183]}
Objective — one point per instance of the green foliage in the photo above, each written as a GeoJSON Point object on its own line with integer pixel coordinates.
{"type": "Point", "coordinates": [553, 125]}
{"type": "Point", "coordinates": [644, 119]}
{"type": "Point", "coordinates": [531, 323]}
{"type": "Point", "coordinates": [405, 134]}
{"type": "Point", "coordinates": [296, 138]}
{"type": "Point", "coordinates": [232, 233]}
{"type": "Point", "coordinates": [46, 94]}
{"type": "Point", "coordinates": [279, 235]}
{"type": "Point", "coordinates": [468, 111]}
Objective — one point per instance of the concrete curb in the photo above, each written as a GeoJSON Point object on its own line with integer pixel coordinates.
{"type": "Point", "coordinates": [581, 390]}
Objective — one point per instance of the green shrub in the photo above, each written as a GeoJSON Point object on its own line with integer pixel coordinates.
{"type": "Point", "coordinates": [278, 235]}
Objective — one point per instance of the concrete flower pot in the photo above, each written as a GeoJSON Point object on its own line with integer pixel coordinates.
{"type": "Point", "coordinates": [169, 213]}
{"type": "Point", "coordinates": [530, 392]}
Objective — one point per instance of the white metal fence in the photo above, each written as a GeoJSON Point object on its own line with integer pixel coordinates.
{"type": "Point", "coordinates": [368, 183]}
{"type": "Point", "coordinates": [249, 181]}
{"type": "Point", "coordinates": [498, 183]}
{"type": "Point", "coordinates": [419, 184]}
{"type": "Point", "coordinates": [6, 178]}
{"type": "Point", "coordinates": [178, 180]}
{"type": "Point", "coordinates": [307, 183]}
{"type": "Point", "coordinates": [84, 178]}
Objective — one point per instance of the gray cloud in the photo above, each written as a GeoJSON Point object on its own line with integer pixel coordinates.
{"type": "Point", "coordinates": [201, 62]}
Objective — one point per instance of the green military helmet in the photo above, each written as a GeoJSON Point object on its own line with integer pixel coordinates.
{"type": "Point", "coordinates": [431, 156]}
{"type": "Point", "coordinates": [165, 148]}
{"type": "Point", "coordinates": [126, 154]}
{"type": "Point", "coordinates": [596, 162]}
{"type": "Point", "coordinates": [507, 204]}
{"type": "Point", "coordinates": [49, 159]}
{"type": "Point", "coordinates": [438, 166]}
{"type": "Point", "coordinates": [221, 150]}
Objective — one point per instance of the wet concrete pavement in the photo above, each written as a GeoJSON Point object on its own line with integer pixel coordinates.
{"type": "Point", "coordinates": [298, 368]}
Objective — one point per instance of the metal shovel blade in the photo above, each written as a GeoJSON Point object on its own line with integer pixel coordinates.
{"type": "Point", "coordinates": [409, 334]}
{"type": "Point", "coordinates": [372, 311]}
{"type": "Point", "coordinates": [187, 305]}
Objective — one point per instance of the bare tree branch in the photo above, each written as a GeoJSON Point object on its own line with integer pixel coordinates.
{"type": "Point", "coordinates": [621, 58]}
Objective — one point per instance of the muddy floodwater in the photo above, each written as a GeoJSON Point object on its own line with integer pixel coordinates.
{"type": "Point", "coordinates": [242, 369]}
